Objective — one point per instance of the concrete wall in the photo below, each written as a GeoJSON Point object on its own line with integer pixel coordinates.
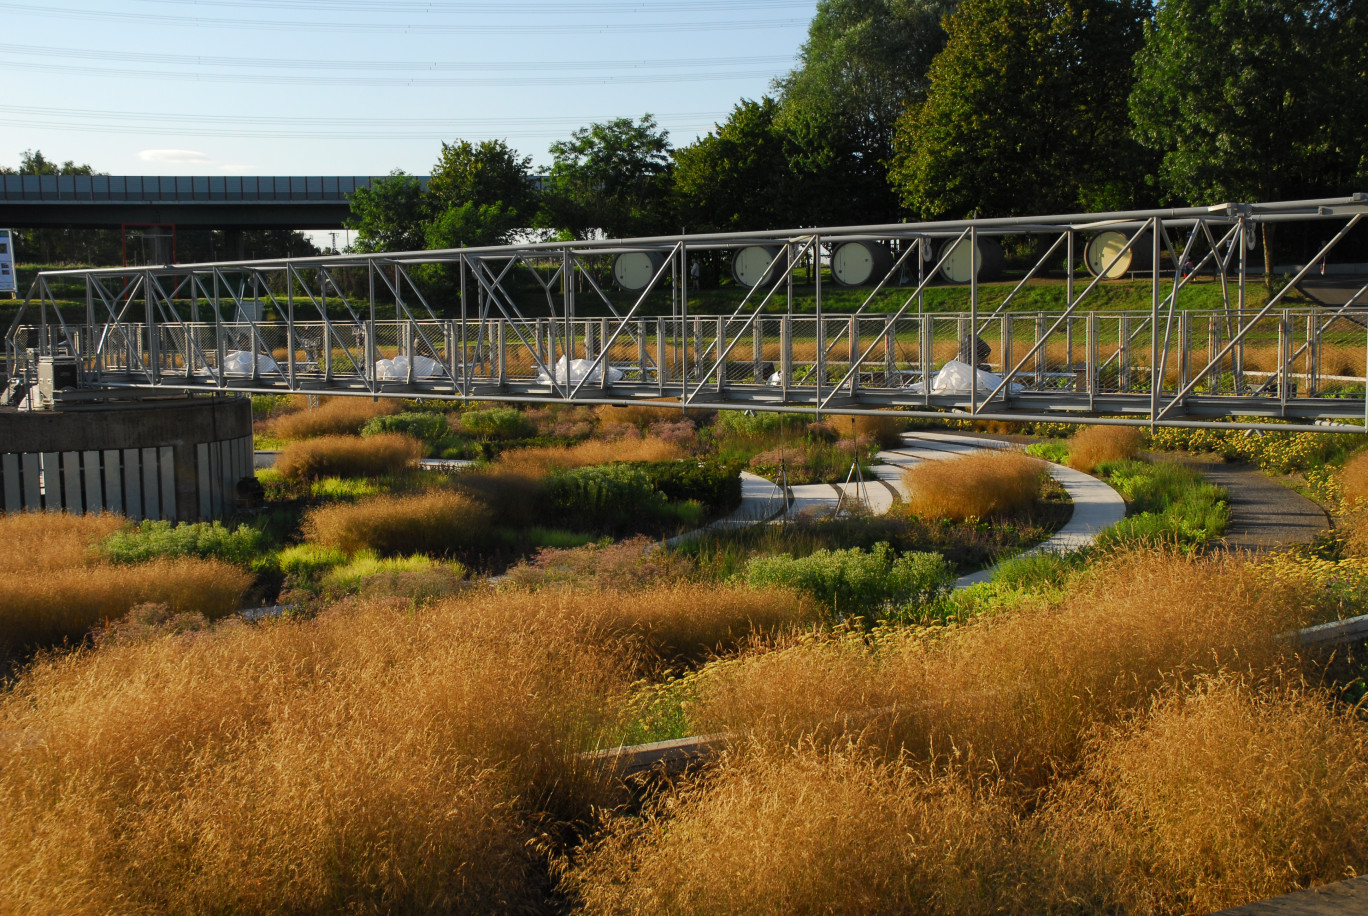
{"type": "Point", "coordinates": [174, 459]}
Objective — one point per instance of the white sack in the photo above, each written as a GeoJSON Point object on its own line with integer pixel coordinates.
{"type": "Point", "coordinates": [954, 378]}
{"type": "Point", "coordinates": [239, 362]}
{"type": "Point", "coordinates": [580, 370]}
{"type": "Point", "coordinates": [396, 370]}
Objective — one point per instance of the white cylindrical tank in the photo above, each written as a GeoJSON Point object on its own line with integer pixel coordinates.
{"type": "Point", "coordinates": [634, 269]}
{"type": "Point", "coordinates": [750, 263]}
{"type": "Point", "coordinates": [1103, 247]}
{"type": "Point", "coordinates": [956, 268]}
{"type": "Point", "coordinates": [858, 263]}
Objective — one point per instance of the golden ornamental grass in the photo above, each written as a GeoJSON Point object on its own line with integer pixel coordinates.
{"type": "Point", "coordinates": [1353, 481]}
{"type": "Point", "coordinates": [983, 485]}
{"type": "Point", "coordinates": [439, 523]}
{"type": "Point", "coordinates": [1221, 796]}
{"type": "Point", "coordinates": [1015, 694]}
{"type": "Point", "coordinates": [65, 604]}
{"type": "Point", "coordinates": [348, 456]}
{"type": "Point", "coordinates": [53, 540]}
{"type": "Point", "coordinates": [805, 831]}
{"type": "Point", "coordinates": [337, 416]}
{"type": "Point", "coordinates": [640, 415]}
{"type": "Point", "coordinates": [1092, 445]}
{"type": "Point", "coordinates": [540, 461]}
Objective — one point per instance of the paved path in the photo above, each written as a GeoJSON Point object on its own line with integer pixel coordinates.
{"type": "Point", "coordinates": [1264, 514]}
{"type": "Point", "coordinates": [1343, 898]}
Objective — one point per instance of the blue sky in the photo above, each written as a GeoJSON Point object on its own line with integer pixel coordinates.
{"type": "Point", "coordinates": [358, 87]}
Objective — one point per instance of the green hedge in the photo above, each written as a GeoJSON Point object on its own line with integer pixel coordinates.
{"type": "Point", "coordinates": [870, 583]}
{"type": "Point", "coordinates": [716, 485]}
{"type": "Point", "coordinates": [152, 539]}
{"type": "Point", "coordinates": [427, 427]}
{"type": "Point", "coordinates": [608, 496]}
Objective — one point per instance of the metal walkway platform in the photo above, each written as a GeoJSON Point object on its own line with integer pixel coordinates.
{"type": "Point", "coordinates": [369, 325]}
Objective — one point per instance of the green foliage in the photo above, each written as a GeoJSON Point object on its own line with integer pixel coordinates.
{"type": "Point", "coordinates": [613, 176]}
{"type": "Point", "coordinates": [864, 62]}
{"type": "Point", "coordinates": [427, 427]}
{"type": "Point", "coordinates": [748, 424]}
{"type": "Point", "coordinates": [606, 496]}
{"type": "Point", "coordinates": [856, 582]}
{"type": "Point", "coordinates": [713, 484]}
{"type": "Point", "coordinates": [496, 423]}
{"type": "Point", "coordinates": [1280, 453]}
{"type": "Point", "coordinates": [1175, 506]}
{"type": "Point", "coordinates": [1026, 112]}
{"type": "Point", "coordinates": [737, 177]}
{"type": "Point", "coordinates": [390, 214]}
{"type": "Point", "coordinates": [415, 577]}
{"type": "Point", "coordinates": [343, 488]}
{"type": "Point", "coordinates": [306, 562]}
{"type": "Point", "coordinates": [1036, 571]}
{"type": "Point", "coordinates": [1055, 451]}
{"type": "Point", "coordinates": [154, 539]}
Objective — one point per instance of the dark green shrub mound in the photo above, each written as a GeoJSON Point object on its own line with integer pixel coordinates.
{"type": "Point", "coordinates": [716, 485]}
{"type": "Point", "coordinates": [496, 423]}
{"type": "Point", "coordinates": [428, 427]}
{"type": "Point", "coordinates": [607, 496]}
{"type": "Point", "coordinates": [152, 540]}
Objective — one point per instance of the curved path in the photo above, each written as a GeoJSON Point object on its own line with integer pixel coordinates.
{"type": "Point", "coordinates": [1264, 514]}
{"type": "Point", "coordinates": [1095, 504]}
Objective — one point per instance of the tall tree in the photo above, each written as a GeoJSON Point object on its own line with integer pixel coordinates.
{"type": "Point", "coordinates": [390, 215]}
{"type": "Point", "coordinates": [613, 176]}
{"type": "Point", "coordinates": [863, 63]}
{"type": "Point", "coordinates": [1255, 99]}
{"type": "Point", "coordinates": [478, 194]}
{"type": "Point", "coordinates": [1026, 111]}
{"type": "Point", "coordinates": [737, 176]}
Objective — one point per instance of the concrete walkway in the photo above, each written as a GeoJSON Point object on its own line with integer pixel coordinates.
{"type": "Point", "coordinates": [1264, 514]}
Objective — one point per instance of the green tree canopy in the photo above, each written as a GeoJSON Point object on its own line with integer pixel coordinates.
{"type": "Point", "coordinates": [1255, 99]}
{"type": "Point", "coordinates": [737, 176]}
{"type": "Point", "coordinates": [863, 63]}
{"type": "Point", "coordinates": [1027, 111]}
{"type": "Point", "coordinates": [33, 162]}
{"type": "Point", "coordinates": [478, 194]}
{"type": "Point", "coordinates": [613, 176]}
{"type": "Point", "coordinates": [390, 215]}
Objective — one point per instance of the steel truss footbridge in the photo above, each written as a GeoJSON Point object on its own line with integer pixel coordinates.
{"type": "Point", "coordinates": [460, 325]}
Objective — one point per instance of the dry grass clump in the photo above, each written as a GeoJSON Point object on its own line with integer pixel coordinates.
{"type": "Point", "coordinates": [1014, 694]}
{"type": "Point", "coordinates": [975, 486]}
{"type": "Point", "coordinates": [348, 456]}
{"type": "Point", "coordinates": [810, 831]}
{"type": "Point", "coordinates": [337, 416]}
{"type": "Point", "coordinates": [53, 540]}
{"type": "Point", "coordinates": [439, 522]}
{"type": "Point", "coordinates": [1353, 481]}
{"type": "Point", "coordinates": [374, 759]}
{"type": "Point", "coordinates": [621, 566]}
{"type": "Point", "coordinates": [885, 430]}
{"type": "Point", "coordinates": [538, 462]}
{"type": "Point", "coordinates": [639, 415]}
{"type": "Point", "coordinates": [1222, 796]}
{"type": "Point", "coordinates": [65, 604]}
{"type": "Point", "coordinates": [1093, 445]}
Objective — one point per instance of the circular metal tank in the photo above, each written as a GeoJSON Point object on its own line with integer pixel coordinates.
{"type": "Point", "coordinates": [956, 268]}
{"type": "Point", "coordinates": [634, 269]}
{"type": "Point", "coordinates": [858, 263]}
{"type": "Point", "coordinates": [1103, 247]}
{"type": "Point", "coordinates": [748, 264]}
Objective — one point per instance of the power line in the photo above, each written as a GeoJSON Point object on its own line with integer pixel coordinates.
{"type": "Point", "coordinates": [521, 27]}
{"type": "Point", "coordinates": [461, 7]}
{"type": "Point", "coordinates": [41, 51]}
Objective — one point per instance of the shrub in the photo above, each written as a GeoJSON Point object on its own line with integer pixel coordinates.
{"type": "Point", "coordinates": [753, 425]}
{"type": "Point", "coordinates": [496, 423]}
{"type": "Point", "coordinates": [151, 539]}
{"type": "Point", "coordinates": [65, 604]}
{"type": "Point", "coordinates": [857, 582]}
{"type": "Point", "coordinates": [1221, 796]}
{"type": "Point", "coordinates": [641, 416]}
{"type": "Point", "coordinates": [620, 565]}
{"type": "Point", "coordinates": [1050, 450]}
{"type": "Point", "coordinates": [440, 523]}
{"type": "Point", "coordinates": [343, 488]}
{"type": "Point", "coordinates": [1042, 569]}
{"type": "Point", "coordinates": [415, 578]}
{"type": "Point", "coordinates": [426, 427]}
{"type": "Point", "coordinates": [975, 486]}
{"type": "Point", "coordinates": [714, 484]}
{"type": "Point", "coordinates": [339, 416]}
{"type": "Point", "coordinates": [605, 496]}
{"type": "Point", "coordinates": [515, 499]}
{"type": "Point", "coordinates": [306, 562]}
{"type": "Point", "coordinates": [348, 456]}
{"type": "Point", "coordinates": [1093, 445]}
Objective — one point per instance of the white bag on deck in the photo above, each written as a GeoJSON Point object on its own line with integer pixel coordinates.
{"type": "Point", "coordinates": [580, 370]}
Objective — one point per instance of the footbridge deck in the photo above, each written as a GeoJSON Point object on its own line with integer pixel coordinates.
{"type": "Point", "coordinates": [371, 325]}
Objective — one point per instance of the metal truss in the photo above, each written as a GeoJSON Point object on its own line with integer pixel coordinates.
{"type": "Point", "coordinates": [367, 325]}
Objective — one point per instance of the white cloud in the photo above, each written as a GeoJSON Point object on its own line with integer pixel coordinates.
{"type": "Point", "coordinates": [173, 155]}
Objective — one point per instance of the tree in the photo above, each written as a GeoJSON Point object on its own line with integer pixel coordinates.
{"type": "Point", "coordinates": [33, 162]}
{"type": "Point", "coordinates": [863, 63]}
{"type": "Point", "coordinates": [478, 194]}
{"type": "Point", "coordinates": [1255, 99]}
{"type": "Point", "coordinates": [1026, 112]}
{"type": "Point", "coordinates": [613, 176]}
{"type": "Point", "coordinates": [390, 215]}
{"type": "Point", "coordinates": [736, 177]}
